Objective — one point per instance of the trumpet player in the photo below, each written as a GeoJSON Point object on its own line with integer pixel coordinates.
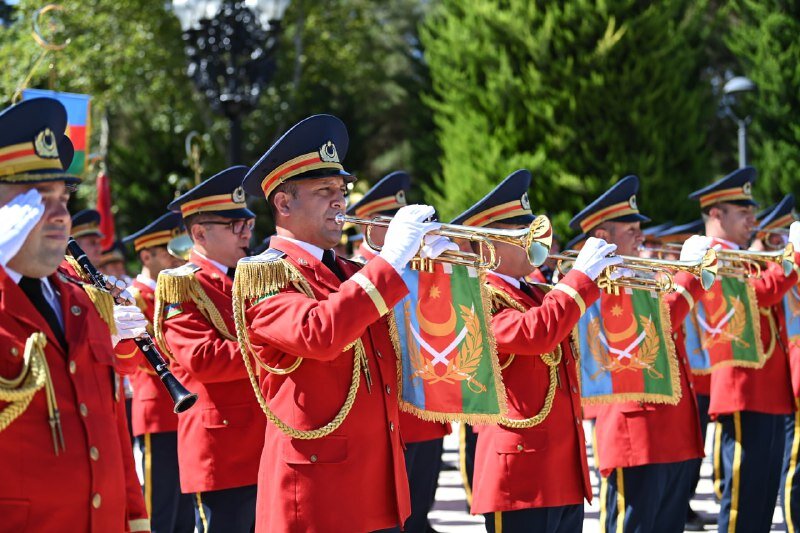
{"type": "Point", "coordinates": [531, 470]}
{"type": "Point", "coordinates": [749, 404]}
{"type": "Point", "coordinates": [424, 439]}
{"type": "Point", "coordinates": [646, 450]}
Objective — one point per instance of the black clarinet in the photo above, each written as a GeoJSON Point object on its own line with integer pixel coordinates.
{"type": "Point", "coordinates": [183, 398]}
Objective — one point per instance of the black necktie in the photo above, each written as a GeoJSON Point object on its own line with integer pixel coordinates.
{"type": "Point", "coordinates": [527, 289]}
{"type": "Point", "coordinates": [329, 260]}
{"type": "Point", "coordinates": [230, 272]}
{"type": "Point", "coordinates": [32, 288]}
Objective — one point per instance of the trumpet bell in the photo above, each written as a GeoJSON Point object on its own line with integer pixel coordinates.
{"type": "Point", "coordinates": [180, 246]}
{"type": "Point", "coordinates": [540, 239]}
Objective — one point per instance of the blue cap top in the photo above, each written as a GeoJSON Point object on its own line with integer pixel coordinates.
{"type": "Point", "coordinates": [157, 233]}
{"type": "Point", "coordinates": [86, 222]}
{"type": "Point", "coordinates": [507, 203]}
{"type": "Point", "coordinates": [384, 198]}
{"type": "Point", "coordinates": [736, 188]}
{"type": "Point", "coordinates": [780, 215]}
{"type": "Point", "coordinates": [617, 204]}
{"type": "Point", "coordinates": [221, 194]}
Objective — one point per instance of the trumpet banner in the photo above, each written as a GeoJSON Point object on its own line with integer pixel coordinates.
{"type": "Point", "coordinates": [626, 350]}
{"type": "Point", "coordinates": [791, 309]}
{"type": "Point", "coordinates": [447, 364]}
{"type": "Point", "coordinates": [724, 329]}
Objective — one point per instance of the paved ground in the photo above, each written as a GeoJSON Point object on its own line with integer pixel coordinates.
{"type": "Point", "coordinates": [449, 513]}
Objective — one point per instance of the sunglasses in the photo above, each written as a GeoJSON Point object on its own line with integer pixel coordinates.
{"type": "Point", "coordinates": [236, 226]}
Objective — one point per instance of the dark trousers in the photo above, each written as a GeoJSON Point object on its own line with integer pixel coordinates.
{"type": "Point", "coordinates": [648, 498]}
{"type": "Point", "coordinates": [468, 443]}
{"type": "Point", "coordinates": [564, 519]}
{"type": "Point", "coordinates": [790, 487]}
{"type": "Point", "coordinates": [169, 510]}
{"type": "Point", "coordinates": [423, 462]}
{"type": "Point", "coordinates": [751, 453]}
{"type": "Point", "coordinates": [702, 409]}
{"type": "Point", "coordinates": [227, 510]}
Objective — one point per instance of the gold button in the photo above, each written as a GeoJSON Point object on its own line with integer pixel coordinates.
{"type": "Point", "coordinates": [313, 458]}
{"type": "Point", "coordinates": [14, 351]}
{"type": "Point", "coordinates": [94, 453]}
{"type": "Point", "coordinates": [520, 447]}
{"type": "Point", "coordinates": [224, 422]}
{"type": "Point", "coordinates": [83, 409]}
{"type": "Point", "coordinates": [214, 276]}
{"type": "Point", "coordinates": [675, 335]}
{"type": "Point", "coordinates": [75, 310]}
{"type": "Point", "coordinates": [378, 352]}
{"type": "Point", "coordinates": [578, 420]}
{"type": "Point", "coordinates": [391, 426]}
{"type": "Point", "coordinates": [96, 501]}
{"type": "Point", "coordinates": [388, 389]}
{"type": "Point", "coordinates": [574, 389]}
{"type": "Point", "coordinates": [72, 367]}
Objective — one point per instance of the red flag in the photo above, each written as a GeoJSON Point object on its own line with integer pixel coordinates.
{"type": "Point", "coordinates": [104, 207]}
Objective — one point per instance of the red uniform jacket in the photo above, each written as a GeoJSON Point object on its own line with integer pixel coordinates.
{"type": "Point", "coordinates": [542, 466]}
{"type": "Point", "coordinates": [767, 389]}
{"type": "Point", "coordinates": [83, 488]}
{"type": "Point", "coordinates": [221, 438]}
{"type": "Point", "coordinates": [412, 428]}
{"type": "Point", "coordinates": [634, 433]}
{"type": "Point", "coordinates": [794, 364]}
{"type": "Point", "coordinates": [152, 406]}
{"type": "Point", "coordinates": [353, 479]}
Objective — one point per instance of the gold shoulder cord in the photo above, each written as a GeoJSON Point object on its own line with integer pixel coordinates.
{"type": "Point", "coordinates": [501, 300]}
{"type": "Point", "coordinates": [255, 279]}
{"type": "Point", "coordinates": [765, 311]}
{"type": "Point", "coordinates": [19, 391]}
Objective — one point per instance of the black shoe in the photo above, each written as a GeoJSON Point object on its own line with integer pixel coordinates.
{"type": "Point", "coordinates": [694, 522]}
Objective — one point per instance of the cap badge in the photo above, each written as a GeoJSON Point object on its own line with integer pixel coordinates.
{"type": "Point", "coordinates": [400, 197]}
{"type": "Point", "coordinates": [632, 202]}
{"type": "Point", "coordinates": [327, 153]}
{"type": "Point", "coordinates": [526, 204]}
{"type": "Point", "coordinates": [238, 195]}
{"type": "Point", "coordinates": [747, 188]}
{"type": "Point", "coordinates": [45, 144]}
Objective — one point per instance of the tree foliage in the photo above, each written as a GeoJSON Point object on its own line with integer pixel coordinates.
{"type": "Point", "coordinates": [581, 93]}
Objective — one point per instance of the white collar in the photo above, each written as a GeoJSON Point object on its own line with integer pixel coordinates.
{"type": "Point", "coordinates": [730, 244]}
{"type": "Point", "coordinates": [219, 266]}
{"type": "Point", "coordinates": [47, 289]}
{"type": "Point", "coordinates": [508, 279]}
{"type": "Point", "coordinates": [144, 280]}
{"type": "Point", "coordinates": [312, 249]}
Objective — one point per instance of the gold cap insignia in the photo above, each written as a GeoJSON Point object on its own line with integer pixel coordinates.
{"type": "Point", "coordinates": [400, 197]}
{"type": "Point", "coordinates": [747, 188]}
{"type": "Point", "coordinates": [238, 195]}
{"type": "Point", "coordinates": [526, 204]}
{"type": "Point", "coordinates": [327, 153]}
{"type": "Point", "coordinates": [632, 202]}
{"type": "Point", "coordinates": [45, 144]}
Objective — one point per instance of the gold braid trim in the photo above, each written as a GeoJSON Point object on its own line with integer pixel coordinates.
{"type": "Point", "coordinates": [104, 303]}
{"type": "Point", "coordinates": [773, 329]}
{"type": "Point", "coordinates": [257, 277]}
{"type": "Point", "coordinates": [79, 271]}
{"type": "Point", "coordinates": [173, 286]}
{"type": "Point", "coordinates": [242, 290]}
{"type": "Point", "coordinates": [19, 391]}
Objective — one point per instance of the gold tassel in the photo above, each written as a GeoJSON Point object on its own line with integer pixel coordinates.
{"type": "Point", "coordinates": [255, 279]}
{"type": "Point", "coordinates": [104, 303]}
{"type": "Point", "coordinates": [175, 286]}
{"type": "Point", "coordinates": [79, 271]}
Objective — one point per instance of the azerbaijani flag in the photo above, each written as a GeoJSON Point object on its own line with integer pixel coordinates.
{"type": "Point", "coordinates": [448, 368]}
{"type": "Point", "coordinates": [724, 328]}
{"type": "Point", "coordinates": [78, 119]}
{"type": "Point", "coordinates": [626, 350]}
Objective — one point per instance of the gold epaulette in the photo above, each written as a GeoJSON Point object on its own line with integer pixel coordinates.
{"type": "Point", "coordinates": [266, 274]}
{"type": "Point", "coordinates": [77, 268]}
{"type": "Point", "coordinates": [175, 285]}
{"type": "Point", "coordinates": [502, 300]}
{"type": "Point", "coordinates": [104, 303]}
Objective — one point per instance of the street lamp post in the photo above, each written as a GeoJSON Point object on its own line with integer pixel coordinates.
{"type": "Point", "coordinates": [230, 47]}
{"type": "Point", "coordinates": [731, 91]}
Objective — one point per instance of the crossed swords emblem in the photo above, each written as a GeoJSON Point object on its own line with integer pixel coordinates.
{"type": "Point", "coordinates": [440, 356]}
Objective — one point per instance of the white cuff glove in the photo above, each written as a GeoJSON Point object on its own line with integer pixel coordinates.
{"type": "Point", "coordinates": [130, 323]}
{"type": "Point", "coordinates": [436, 245]}
{"type": "Point", "coordinates": [594, 257]}
{"type": "Point", "coordinates": [794, 234]}
{"type": "Point", "coordinates": [695, 248]}
{"type": "Point", "coordinates": [17, 219]}
{"type": "Point", "coordinates": [405, 233]}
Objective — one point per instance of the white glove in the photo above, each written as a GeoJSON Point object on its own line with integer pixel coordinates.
{"type": "Point", "coordinates": [594, 257]}
{"type": "Point", "coordinates": [436, 245]}
{"type": "Point", "coordinates": [794, 234]}
{"type": "Point", "coordinates": [405, 233]}
{"type": "Point", "coordinates": [130, 323]}
{"type": "Point", "coordinates": [695, 248]}
{"type": "Point", "coordinates": [17, 219]}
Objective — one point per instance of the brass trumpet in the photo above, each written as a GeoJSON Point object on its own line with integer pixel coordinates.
{"type": "Point", "coordinates": [180, 246]}
{"type": "Point", "coordinates": [535, 239]}
{"type": "Point", "coordinates": [745, 259]}
{"type": "Point", "coordinates": [658, 273]}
